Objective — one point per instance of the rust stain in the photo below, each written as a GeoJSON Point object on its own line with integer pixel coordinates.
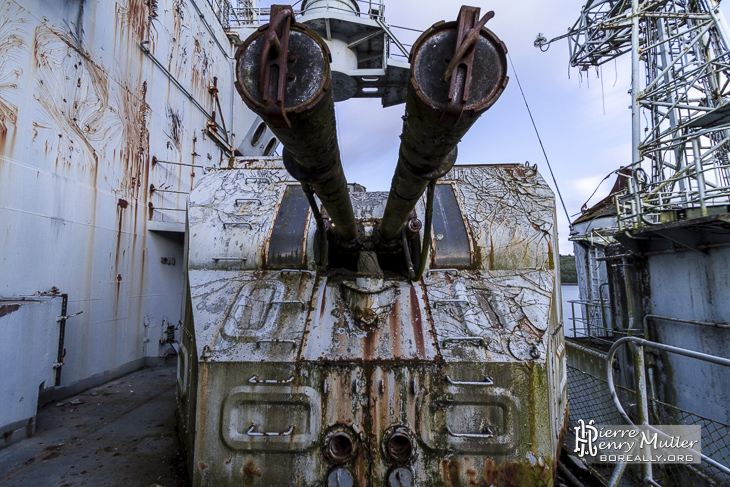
{"type": "Point", "coordinates": [135, 138]}
{"type": "Point", "coordinates": [6, 309]}
{"type": "Point", "coordinates": [369, 345]}
{"type": "Point", "coordinates": [121, 205]}
{"type": "Point", "coordinates": [323, 306]}
{"type": "Point", "coordinates": [250, 472]}
{"type": "Point", "coordinates": [202, 465]}
{"type": "Point", "coordinates": [136, 16]}
{"type": "Point", "coordinates": [472, 474]}
{"type": "Point", "coordinates": [489, 471]}
{"type": "Point", "coordinates": [80, 115]}
{"type": "Point", "coordinates": [417, 322]}
{"type": "Point", "coordinates": [454, 477]}
{"type": "Point", "coordinates": [202, 65]}
{"type": "Point", "coordinates": [12, 47]}
{"type": "Point", "coordinates": [302, 286]}
{"type": "Point", "coordinates": [361, 464]}
{"type": "Point", "coordinates": [178, 52]}
{"type": "Point", "coordinates": [152, 5]}
{"type": "Point", "coordinates": [551, 259]}
{"type": "Point", "coordinates": [395, 335]}
{"type": "Point", "coordinates": [450, 473]}
{"type": "Point", "coordinates": [510, 473]}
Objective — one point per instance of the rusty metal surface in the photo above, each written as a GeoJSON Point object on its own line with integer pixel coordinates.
{"type": "Point", "coordinates": [518, 197]}
{"type": "Point", "coordinates": [236, 221]}
{"type": "Point", "coordinates": [483, 76]}
{"type": "Point", "coordinates": [461, 374]}
{"type": "Point", "coordinates": [273, 60]}
{"type": "Point", "coordinates": [399, 329]}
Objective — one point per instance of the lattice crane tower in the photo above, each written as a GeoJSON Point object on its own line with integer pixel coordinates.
{"type": "Point", "coordinates": [680, 110]}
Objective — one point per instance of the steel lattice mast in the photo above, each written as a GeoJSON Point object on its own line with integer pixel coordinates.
{"type": "Point", "coordinates": [680, 111]}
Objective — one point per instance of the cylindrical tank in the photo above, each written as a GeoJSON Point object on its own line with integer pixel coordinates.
{"type": "Point", "coordinates": [301, 112]}
{"type": "Point", "coordinates": [438, 112]}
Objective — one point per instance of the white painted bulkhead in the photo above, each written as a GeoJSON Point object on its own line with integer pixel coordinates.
{"type": "Point", "coordinates": [99, 101]}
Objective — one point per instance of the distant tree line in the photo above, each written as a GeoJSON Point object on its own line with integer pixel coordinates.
{"type": "Point", "coordinates": [567, 270]}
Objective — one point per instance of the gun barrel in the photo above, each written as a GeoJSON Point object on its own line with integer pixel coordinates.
{"type": "Point", "coordinates": [458, 70]}
{"type": "Point", "coordinates": [283, 74]}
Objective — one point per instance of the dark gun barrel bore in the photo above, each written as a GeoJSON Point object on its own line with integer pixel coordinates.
{"type": "Point", "coordinates": [458, 70]}
{"type": "Point", "coordinates": [283, 75]}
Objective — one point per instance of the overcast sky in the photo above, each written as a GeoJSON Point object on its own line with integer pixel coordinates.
{"type": "Point", "coordinates": [583, 118]}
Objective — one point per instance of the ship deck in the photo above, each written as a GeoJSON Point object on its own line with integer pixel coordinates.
{"type": "Point", "coordinates": [120, 433]}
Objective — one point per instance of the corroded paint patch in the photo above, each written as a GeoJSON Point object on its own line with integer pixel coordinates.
{"type": "Point", "coordinates": [6, 309]}
{"type": "Point", "coordinates": [515, 474]}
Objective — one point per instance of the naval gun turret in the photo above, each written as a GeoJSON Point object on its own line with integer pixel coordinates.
{"type": "Point", "coordinates": [338, 337]}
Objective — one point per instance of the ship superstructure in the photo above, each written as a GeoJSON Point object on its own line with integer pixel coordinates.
{"type": "Point", "coordinates": [653, 257]}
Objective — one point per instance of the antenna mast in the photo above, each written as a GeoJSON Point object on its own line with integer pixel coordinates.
{"type": "Point", "coordinates": [680, 110]}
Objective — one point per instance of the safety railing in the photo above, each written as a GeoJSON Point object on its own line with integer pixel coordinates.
{"type": "Point", "coordinates": [695, 188]}
{"type": "Point", "coordinates": [591, 319]}
{"type": "Point", "coordinates": [222, 9]}
{"type": "Point", "coordinates": [642, 399]}
{"type": "Point", "coordinates": [244, 13]}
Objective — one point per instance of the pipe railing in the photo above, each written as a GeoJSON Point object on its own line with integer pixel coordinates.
{"type": "Point", "coordinates": [642, 398]}
{"type": "Point", "coordinates": [593, 318]}
{"type": "Point", "coordinates": [247, 15]}
{"type": "Point", "coordinates": [679, 320]}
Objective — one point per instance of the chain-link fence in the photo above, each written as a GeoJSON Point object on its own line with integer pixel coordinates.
{"type": "Point", "coordinates": [715, 444]}
{"type": "Point", "coordinates": [589, 398]}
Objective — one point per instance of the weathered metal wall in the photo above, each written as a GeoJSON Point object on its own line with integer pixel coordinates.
{"type": "Point", "coordinates": [695, 286]}
{"type": "Point", "coordinates": [31, 323]}
{"type": "Point", "coordinates": [91, 95]}
{"type": "Point", "coordinates": [468, 363]}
